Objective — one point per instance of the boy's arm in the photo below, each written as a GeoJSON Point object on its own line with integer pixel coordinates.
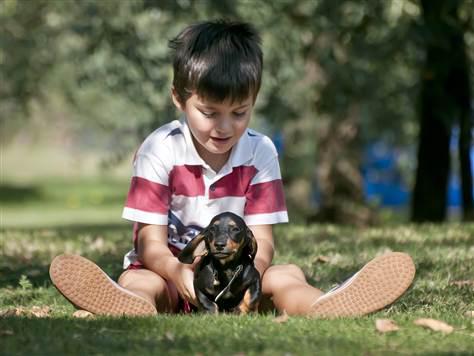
{"type": "Point", "coordinates": [264, 236]}
{"type": "Point", "coordinates": [153, 251]}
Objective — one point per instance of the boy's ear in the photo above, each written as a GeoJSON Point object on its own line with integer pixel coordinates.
{"type": "Point", "coordinates": [176, 102]}
{"type": "Point", "coordinates": [196, 247]}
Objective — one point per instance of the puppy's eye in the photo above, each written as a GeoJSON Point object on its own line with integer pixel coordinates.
{"type": "Point", "coordinates": [235, 229]}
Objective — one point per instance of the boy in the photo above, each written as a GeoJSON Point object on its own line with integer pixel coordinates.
{"type": "Point", "coordinates": [188, 171]}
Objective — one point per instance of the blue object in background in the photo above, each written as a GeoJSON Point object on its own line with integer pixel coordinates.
{"type": "Point", "coordinates": [381, 175]}
{"type": "Point", "coordinates": [454, 185]}
{"type": "Point", "coordinates": [278, 141]}
{"type": "Point", "coordinates": [383, 181]}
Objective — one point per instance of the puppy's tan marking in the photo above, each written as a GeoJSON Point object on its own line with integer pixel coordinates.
{"type": "Point", "coordinates": [245, 306]}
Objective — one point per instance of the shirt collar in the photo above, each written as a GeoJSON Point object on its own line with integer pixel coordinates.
{"type": "Point", "coordinates": [241, 152]}
{"type": "Point", "coordinates": [192, 156]}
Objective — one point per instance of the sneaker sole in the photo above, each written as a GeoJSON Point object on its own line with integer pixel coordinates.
{"type": "Point", "coordinates": [378, 284]}
{"type": "Point", "coordinates": [86, 286]}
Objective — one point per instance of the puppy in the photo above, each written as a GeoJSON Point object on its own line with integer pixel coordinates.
{"type": "Point", "coordinates": [225, 279]}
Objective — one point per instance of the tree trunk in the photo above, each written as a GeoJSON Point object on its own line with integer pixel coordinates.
{"type": "Point", "coordinates": [442, 99]}
{"type": "Point", "coordinates": [339, 179]}
{"type": "Point", "coordinates": [430, 196]}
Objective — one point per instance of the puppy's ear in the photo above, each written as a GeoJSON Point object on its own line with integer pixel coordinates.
{"type": "Point", "coordinates": [251, 244]}
{"type": "Point", "coordinates": [196, 247]}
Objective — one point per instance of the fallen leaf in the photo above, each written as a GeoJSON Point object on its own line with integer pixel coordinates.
{"type": "Point", "coordinates": [386, 325]}
{"type": "Point", "coordinates": [97, 244]}
{"type": "Point", "coordinates": [40, 312]}
{"type": "Point", "coordinates": [283, 318]}
{"type": "Point", "coordinates": [18, 311]}
{"type": "Point", "coordinates": [462, 283]}
{"type": "Point", "coordinates": [6, 313]}
{"type": "Point", "coordinates": [169, 336]}
{"type": "Point", "coordinates": [321, 258]}
{"type": "Point", "coordinates": [469, 314]}
{"type": "Point", "coordinates": [435, 325]}
{"type": "Point", "coordinates": [82, 314]}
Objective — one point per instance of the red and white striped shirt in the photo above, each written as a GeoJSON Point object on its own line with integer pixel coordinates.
{"type": "Point", "coordinates": [173, 186]}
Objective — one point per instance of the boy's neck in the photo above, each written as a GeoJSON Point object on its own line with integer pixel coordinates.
{"type": "Point", "coordinates": [217, 166]}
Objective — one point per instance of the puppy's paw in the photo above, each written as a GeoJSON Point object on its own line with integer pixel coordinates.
{"type": "Point", "coordinates": [211, 308]}
{"type": "Point", "coordinates": [237, 311]}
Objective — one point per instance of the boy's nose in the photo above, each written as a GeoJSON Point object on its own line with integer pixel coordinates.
{"type": "Point", "coordinates": [224, 125]}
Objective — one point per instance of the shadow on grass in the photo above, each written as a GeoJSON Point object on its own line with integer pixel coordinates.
{"type": "Point", "coordinates": [37, 271]}
{"type": "Point", "coordinates": [177, 335]}
{"type": "Point", "coordinates": [35, 266]}
{"type": "Point", "coordinates": [17, 194]}
{"type": "Point", "coordinates": [317, 244]}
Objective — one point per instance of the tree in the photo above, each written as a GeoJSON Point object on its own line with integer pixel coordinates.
{"type": "Point", "coordinates": [445, 99]}
{"type": "Point", "coordinates": [336, 76]}
{"type": "Point", "coordinates": [27, 52]}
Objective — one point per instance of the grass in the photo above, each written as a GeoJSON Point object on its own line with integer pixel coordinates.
{"type": "Point", "coordinates": [57, 201]}
{"type": "Point", "coordinates": [43, 225]}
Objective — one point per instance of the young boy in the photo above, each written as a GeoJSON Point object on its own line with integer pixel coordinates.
{"type": "Point", "coordinates": [188, 171]}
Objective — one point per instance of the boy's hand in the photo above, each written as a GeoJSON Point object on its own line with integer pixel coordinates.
{"type": "Point", "coordinates": [153, 250]}
{"type": "Point", "coordinates": [183, 279]}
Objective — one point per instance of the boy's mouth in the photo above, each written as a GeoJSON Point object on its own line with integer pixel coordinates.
{"type": "Point", "coordinates": [220, 140]}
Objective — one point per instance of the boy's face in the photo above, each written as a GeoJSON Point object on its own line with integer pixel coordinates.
{"type": "Point", "coordinates": [216, 127]}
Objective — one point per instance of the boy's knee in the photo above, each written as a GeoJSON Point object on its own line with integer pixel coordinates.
{"type": "Point", "coordinates": [280, 276]}
{"type": "Point", "coordinates": [151, 286]}
{"type": "Point", "coordinates": [142, 279]}
{"type": "Point", "coordinates": [282, 270]}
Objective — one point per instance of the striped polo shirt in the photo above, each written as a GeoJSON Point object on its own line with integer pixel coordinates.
{"type": "Point", "coordinates": [172, 185]}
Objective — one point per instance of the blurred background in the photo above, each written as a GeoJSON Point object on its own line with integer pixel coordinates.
{"type": "Point", "coordinates": [368, 102]}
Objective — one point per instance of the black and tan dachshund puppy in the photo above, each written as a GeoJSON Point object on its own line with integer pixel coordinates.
{"type": "Point", "coordinates": [225, 279]}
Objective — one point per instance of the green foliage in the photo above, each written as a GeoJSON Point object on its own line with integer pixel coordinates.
{"type": "Point", "coordinates": [25, 283]}
{"type": "Point", "coordinates": [112, 59]}
{"type": "Point", "coordinates": [330, 67]}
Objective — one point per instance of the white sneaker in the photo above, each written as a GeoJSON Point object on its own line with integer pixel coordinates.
{"type": "Point", "coordinates": [378, 284]}
{"type": "Point", "coordinates": [86, 286]}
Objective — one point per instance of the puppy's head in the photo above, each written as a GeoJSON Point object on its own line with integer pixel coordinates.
{"type": "Point", "coordinates": [229, 237]}
{"type": "Point", "coordinates": [226, 238]}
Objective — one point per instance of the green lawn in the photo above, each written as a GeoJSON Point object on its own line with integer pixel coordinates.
{"type": "Point", "coordinates": [39, 222]}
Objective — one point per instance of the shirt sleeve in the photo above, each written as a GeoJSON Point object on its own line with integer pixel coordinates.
{"type": "Point", "coordinates": [265, 197]}
{"type": "Point", "coordinates": [149, 196]}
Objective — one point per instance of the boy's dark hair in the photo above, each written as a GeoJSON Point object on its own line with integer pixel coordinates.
{"type": "Point", "coordinates": [218, 60]}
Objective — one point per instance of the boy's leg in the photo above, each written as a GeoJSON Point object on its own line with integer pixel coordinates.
{"type": "Point", "coordinates": [85, 285]}
{"type": "Point", "coordinates": [152, 287]}
{"type": "Point", "coordinates": [284, 287]}
{"type": "Point", "coordinates": [378, 284]}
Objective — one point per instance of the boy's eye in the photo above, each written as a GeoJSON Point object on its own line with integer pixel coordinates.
{"type": "Point", "coordinates": [240, 114]}
{"type": "Point", "coordinates": [208, 114]}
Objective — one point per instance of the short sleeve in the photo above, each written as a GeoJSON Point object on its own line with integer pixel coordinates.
{"type": "Point", "coordinates": [148, 198]}
{"type": "Point", "coordinates": [265, 198]}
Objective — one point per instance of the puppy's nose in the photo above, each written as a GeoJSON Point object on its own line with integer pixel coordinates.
{"type": "Point", "coordinates": [219, 245]}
